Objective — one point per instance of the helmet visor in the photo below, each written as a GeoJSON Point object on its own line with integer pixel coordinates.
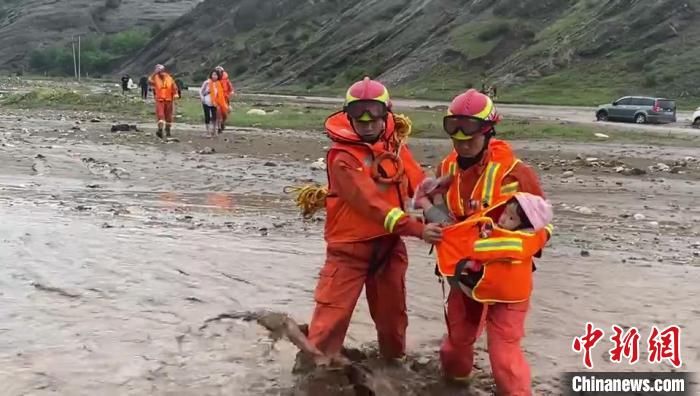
{"type": "Point", "coordinates": [468, 126]}
{"type": "Point", "coordinates": [366, 110]}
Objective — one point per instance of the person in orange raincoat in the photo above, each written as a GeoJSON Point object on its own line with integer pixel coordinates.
{"type": "Point", "coordinates": [483, 171]}
{"type": "Point", "coordinates": [371, 177]}
{"type": "Point", "coordinates": [165, 92]}
{"type": "Point", "coordinates": [213, 102]}
{"type": "Point", "coordinates": [229, 91]}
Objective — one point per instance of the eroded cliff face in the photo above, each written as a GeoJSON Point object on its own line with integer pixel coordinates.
{"type": "Point", "coordinates": [330, 42]}
{"type": "Point", "coordinates": [26, 25]}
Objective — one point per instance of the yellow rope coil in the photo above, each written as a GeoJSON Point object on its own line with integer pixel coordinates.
{"type": "Point", "coordinates": [403, 127]}
{"type": "Point", "coordinates": [309, 198]}
{"type": "Point", "coordinates": [312, 197]}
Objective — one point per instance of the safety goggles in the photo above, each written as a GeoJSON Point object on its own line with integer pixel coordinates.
{"type": "Point", "coordinates": [464, 127]}
{"type": "Point", "coordinates": [366, 110]}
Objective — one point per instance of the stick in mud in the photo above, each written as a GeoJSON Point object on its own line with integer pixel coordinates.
{"type": "Point", "coordinates": [281, 325]}
{"type": "Point", "coordinates": [278, 324]}
{"type": "Point", "coordinates": [40, 286]}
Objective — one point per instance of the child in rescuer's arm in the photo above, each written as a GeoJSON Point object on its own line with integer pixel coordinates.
{"type": "Point", "coordinates": [524, 212]}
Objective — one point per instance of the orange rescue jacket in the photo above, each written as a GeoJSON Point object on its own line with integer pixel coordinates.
{"type": "Point", "coordinates": [488, 189]}
{"type": "Point", "coordinates": [164, 88]}
{"type": "Point", "coordinates": [393, 169]}
{"type": "Point", "coordinates": [506, 255]}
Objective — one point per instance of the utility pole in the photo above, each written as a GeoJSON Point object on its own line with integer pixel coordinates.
{"type": "Point", "coordinates": [75, 66]}
{"type": "Point", "coordinates": [79, 58]}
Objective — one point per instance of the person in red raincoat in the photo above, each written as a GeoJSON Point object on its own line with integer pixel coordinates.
{"type": "Point", "coordinates": [371, 177]}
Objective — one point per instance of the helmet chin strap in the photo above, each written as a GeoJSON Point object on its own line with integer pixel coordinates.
{"type": "Point", "coordinates": [467, 162]}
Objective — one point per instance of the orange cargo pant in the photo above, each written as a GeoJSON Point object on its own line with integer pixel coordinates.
{"type": "Point", "coordinates": [223, 115]}
{"type": "Point", "coordinates": [339, 286]}
{"type": "Point", "coordinates": [164, 112]}
{"type": "Point", "coordinates": [505, 327]}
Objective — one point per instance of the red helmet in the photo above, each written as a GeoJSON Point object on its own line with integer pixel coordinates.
{"type": "Point", "coordinates": [371, 99]}
{"type": "Point", "coordinates": [470, 113]}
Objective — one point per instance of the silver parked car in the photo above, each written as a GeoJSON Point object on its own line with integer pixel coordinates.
{"type": "Point", "coordinates": [639, 109]}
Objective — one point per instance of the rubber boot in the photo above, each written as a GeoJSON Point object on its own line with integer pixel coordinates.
{"type": "Point", "coordinates": [159, 132]}
{"type": "Point", "coordinates": [167, 130]}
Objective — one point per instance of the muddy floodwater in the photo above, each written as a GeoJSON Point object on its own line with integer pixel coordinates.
{"type": "Point", "coordinates": [115, 249]}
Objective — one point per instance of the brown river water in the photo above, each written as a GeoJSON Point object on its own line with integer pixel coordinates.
{"type": "Point", "coordinates": [116, 249]}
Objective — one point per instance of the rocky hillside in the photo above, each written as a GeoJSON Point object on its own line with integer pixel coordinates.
{"type": "Point", "coordinates": [26, 25]}
{"type": "Point", "coordinates": [583, 50]}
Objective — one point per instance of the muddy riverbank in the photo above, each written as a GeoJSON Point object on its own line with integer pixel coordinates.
{"type": "Point", "coordinates": [117, 247]}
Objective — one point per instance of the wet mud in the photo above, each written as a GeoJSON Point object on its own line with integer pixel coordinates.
{"type": "Point", "coordinates": [117, 247]}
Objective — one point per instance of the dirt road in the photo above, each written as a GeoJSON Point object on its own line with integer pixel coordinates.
{"type": "Point", "coordinates": [579, 115]}
{"type": "Point", "coordinates": [116, 248]}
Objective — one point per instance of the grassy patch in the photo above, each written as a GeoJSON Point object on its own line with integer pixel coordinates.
{"type": "Point", "coordinates": [476, 40]}
{"type": "Point", "coordinates": [443, 83]}
{"type": "Point", "coordinates": [98, 53]}
{"type": "Point", "coordinates": [299, 116]}
{"type": "Point", "coordinates": [65, 99]}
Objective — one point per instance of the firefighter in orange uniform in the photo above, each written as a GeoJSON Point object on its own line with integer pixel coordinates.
{"type": "Point", "coordinates": [484, 171]}
{"type": "Point", "coordinates": [165, 92]}
{"type": "Point", "coordinates": [370, 178]}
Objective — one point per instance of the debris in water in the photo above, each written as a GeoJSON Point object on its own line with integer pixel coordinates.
{"type": "Point", "coordinates": [194, 299]}
{"type": "Point", "coordinates": [279, 325]}
{"type": "Point", "coordinates": [639, 217]}
{"type": "Point", "coordinates": [40, 286]}
{"type": "Point", "coordinates": [206, 150]}
{"type": "Point", "coordinates": [584, 210]}
{"type": "Point", "coordinates": [124, 128]}
{"type": "Point", "coordinates": [567, 174]}
{"type": "Point", "coordinates": [319, 164]}
{"type": "Point", "coordinates": [270, 163]}
{"type": "Point", "coordinates": [660, 167]}
{"type": "Point", "coordinates": [601, 135]}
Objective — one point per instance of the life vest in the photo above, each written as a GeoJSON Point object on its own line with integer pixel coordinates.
{"type": "Point", "coordinates": [392, 168]}
{"type": "Point", "coordinates": [506, 256]}
{"type": "Point", "coordinates": [489, 188]}
{"type": "Point", "coordinates": [164, 88]}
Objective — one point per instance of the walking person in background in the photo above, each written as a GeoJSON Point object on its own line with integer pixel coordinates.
{"type": "Point", "coordinates": [143, 84]}
{"type": "Point", "coordinates": [228, 92]}
{"type": "Point", "coordinates": [213, 102]}
{"type": "Point", "coordinates": [125, 83]}
{"type": "Point", "coordinates": [165, 91]}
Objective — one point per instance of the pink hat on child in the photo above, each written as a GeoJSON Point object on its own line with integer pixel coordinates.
{"type": "Point", "coordinates": [536, 208]}
{"type": "Point", "coordinates": [160, 68]}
